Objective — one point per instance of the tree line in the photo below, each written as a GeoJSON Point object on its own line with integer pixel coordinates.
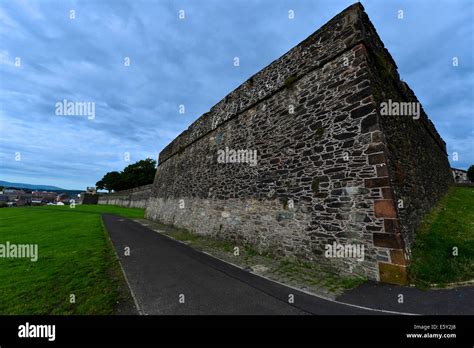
{"type": "Point", "coordinates": [134, 175]}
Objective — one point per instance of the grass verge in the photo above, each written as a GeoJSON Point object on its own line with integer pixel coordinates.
{"type": "Point", "coordinates": [443, 250]}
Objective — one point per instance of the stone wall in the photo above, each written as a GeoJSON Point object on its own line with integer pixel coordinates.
{"type": "Point", "coordinates": [89, 198]}
{"type": "Point", "coordinates": [326, 169]}
{"type": "Point", "coordinates": [133, 198]}
{"type": "Point", "coordinates": [413, 170]}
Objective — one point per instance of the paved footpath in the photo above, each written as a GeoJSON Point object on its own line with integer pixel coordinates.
{"type": "Point", "coordinates": [163, 273]}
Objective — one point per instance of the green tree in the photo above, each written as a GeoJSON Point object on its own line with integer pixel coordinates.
{"type": "Point", "coordinates": [139, 174]}
{"type": "Point", "coordinates": [134, 175]}
{"type": "Point", "coordinates": [110, 181]}
{"type": "Point", "coordinates": [470, 173]}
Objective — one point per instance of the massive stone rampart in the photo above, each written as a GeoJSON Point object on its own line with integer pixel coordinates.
{"type": "Point", "coordinates": [319, 164]}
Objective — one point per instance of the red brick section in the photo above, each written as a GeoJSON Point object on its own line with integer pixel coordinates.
{"type": "Point", "coordinates": [392, 226]}
{"type": "Point", "coordinates": [382, 170]}
{"type": "Point", "coordinates": [393, 272]}
{"type": "Point", "coordinates": [377, 182]}
{"type": "Point", "coordinates": [387, 191]}
{"type": "Point", "coordinates": [385, 208]}
{"type": "Point", "coordinates": [398, 257]}
{"type": "Point", "coordinates": [387, 240]}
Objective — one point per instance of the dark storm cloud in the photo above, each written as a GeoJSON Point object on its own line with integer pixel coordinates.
{"type": "Point", "coordinates": [188, 62]}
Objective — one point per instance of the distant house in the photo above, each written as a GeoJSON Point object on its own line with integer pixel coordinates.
{"type": "Point", "coordinates": [460, 176]}
{"type": "Point", "coordinates": [22, 201]}
{"type": "Point", "coordinates": [91, 190]}
{"type": "Point", "coordinates": [13, 194]}
{"type": "Point", "coordinates": [63, 198]}
{"type": "Point", "coordinates": [18, 197]}
{"type": "Point", "coordinates": [45, 196]}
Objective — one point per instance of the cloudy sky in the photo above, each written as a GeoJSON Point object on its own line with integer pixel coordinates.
{"type": "Point", "coordinates": [46, 57]}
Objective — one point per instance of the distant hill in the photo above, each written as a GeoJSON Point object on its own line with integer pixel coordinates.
{"type": "Point", "coordinates": [29, 186]}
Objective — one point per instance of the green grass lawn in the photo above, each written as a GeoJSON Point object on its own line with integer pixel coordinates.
{"type": "Point", "coordinates": [75, 257]}
{"type": "Point", "coordinates": [449, 225]}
